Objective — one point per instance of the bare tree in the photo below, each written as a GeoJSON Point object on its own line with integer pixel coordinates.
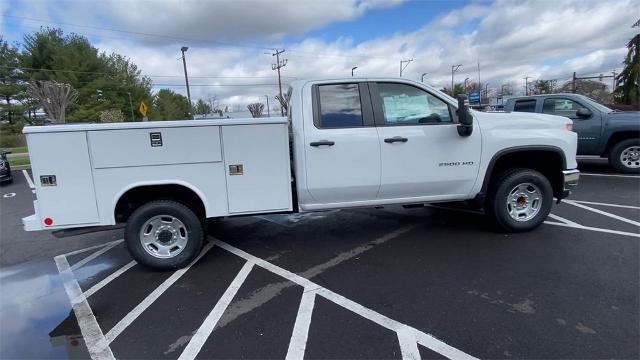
{"type": "Point", "coordinates": [284, 103]}
{"type": "Point", "coordinates": [111, 116]}
{"type": "Point", "coordinates": [54, 98]}
{"type": "Point", "coordinates": [256, 109]}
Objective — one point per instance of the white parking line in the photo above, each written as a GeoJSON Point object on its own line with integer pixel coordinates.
{"type": "Point", "coordinates": [611, 175]}
{"type": "Point", "coordinates": [29, 181]}
{"type": "Point", "coordinates": [91, 248]}
{"type": "Point", "coordinates": [606, 204]}
{"type": "Point", "coordinates": [155, 294]}
{"type": "Point", "coordinates": [197, 341]}
{"type": "Point", "coordinates": [563, 220]}
{"type": "Point", "coordinates": [95, 288]}
{"type": "Point", "coordinates": [298, 341]}
{"type": "Point", "coordinates": [94, 339]}
{"type": "Point", "coordinates": [601, 212]}
{"type": "Point", "coordinates": [408, 345]}
{"type": "Point", "coordinates": [426, 340]}
{"type": "Point", "coordinates": [82, 262]}
{"type": "Point", "coordinates": [616, 232]}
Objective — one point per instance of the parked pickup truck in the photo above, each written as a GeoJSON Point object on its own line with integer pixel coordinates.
{"type": "Point", "coordinates": [601, 131]}
{"type": "Point", "coordinates": [346, 143]}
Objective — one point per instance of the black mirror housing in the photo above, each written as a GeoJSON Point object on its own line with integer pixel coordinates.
{"type": "Point", "coordinates": [583, 113]}
{"type": "Point", "coordinates": [465, 120]}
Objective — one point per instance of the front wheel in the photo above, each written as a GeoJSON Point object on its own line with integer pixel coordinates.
{"type": "Point", "coordinates": [519, 200]}
{"type": "Point", "coordinates": [164, 235]}
{"type": "Point", "coordinates": [625, 156]}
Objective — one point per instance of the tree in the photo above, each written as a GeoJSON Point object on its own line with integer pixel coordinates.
{"type": "Point", "coordinates": [167, 105]}
{"type": "Point", "coordinates": [202, 108]}
{"type": "Point", "coordinates": [12, 86]}
{"type": "Point", "coordinates": [540, 87]}
{"type": "Point", "coordinates": [628, 81]}
{"type": "Point", "coordinates": [103, 81]}
{"type": "Point", "coordinates": [111, 116]}
{"type": "Point", "coordinates": [284, 103]}
{"type": "Point", "coordinates": [593, 89]}
{"type": "Point", "coordinates": [53, 97]}
{"type": "Point", "coordinates": [256, 109]}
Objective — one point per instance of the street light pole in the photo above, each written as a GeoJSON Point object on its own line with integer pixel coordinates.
{"type": "Point", "coordinates": [131, 106]}
{"type": "Point", "coordinates": [353, 68]}
{"type": "Point", "coordinates": [402, 62]}
{"type": "Point", "coordinates": [186, 77]}
{"type": "Point", "coordinates": [422, 78]}
{"type": "Point", "coordinates": [454, 68]}
{"type": "Point", "coordinates": [526, 85]}
{"type": "Point", "coordinates": [268, 114]}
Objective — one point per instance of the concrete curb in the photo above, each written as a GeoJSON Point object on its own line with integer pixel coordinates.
{"type": "Point", "coordinates": [21, 167]}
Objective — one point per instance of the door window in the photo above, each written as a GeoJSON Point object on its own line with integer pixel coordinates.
{"type": "Point", "coordinates": [561, 107]}
{"type": "Point", "coordinates": [525, 106]}
{"type": "Point", "coordinates": [340, 106]}
{"type": "Point", "coordinates": [408, 105]}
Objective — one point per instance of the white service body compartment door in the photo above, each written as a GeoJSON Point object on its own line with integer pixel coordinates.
{"type": "Point", "coordinates": [256, 159]}
{"type": "Point", "coordinates": [65, 155]}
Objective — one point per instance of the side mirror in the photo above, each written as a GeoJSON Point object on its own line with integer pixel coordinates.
{"type": "Point", "coordinates": [465, 120]}
{"type": "Point", "coordinates": [583, 113]}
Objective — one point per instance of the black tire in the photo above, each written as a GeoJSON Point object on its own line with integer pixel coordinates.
{"type": "Point", "coordinates": [616, 162]}
{"type": "Point", "coordinates": [501, 186]}
{"type": "Point", "coordinates": [192, 225]}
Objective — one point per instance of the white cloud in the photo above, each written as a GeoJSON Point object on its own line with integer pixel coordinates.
{"type": "Point", "coordinates": [511, 39]}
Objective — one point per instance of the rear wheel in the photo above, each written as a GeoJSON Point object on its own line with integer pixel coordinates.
{"type": "Point", "coordinates": [625, 156]}
{"type": "Point", "coordinates": [519, 200]}
{"type": "Point", "coordinates": [164, 235]}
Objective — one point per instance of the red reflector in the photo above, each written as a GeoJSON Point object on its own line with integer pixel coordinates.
{"type": "Point", "coordinates": [48, 221]}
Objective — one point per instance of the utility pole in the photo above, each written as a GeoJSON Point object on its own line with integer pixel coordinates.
{"type": "Point", "coordinates": [186, 78]}
{"type": "Point", "coordinates": [402, 62]}
{"type": "Point", "coordinates": [131, 106]}
{"type": "Point", "coordinates": [279, 64]}
{"type": "Point", "coordinates": [526, 85]}
{"type": "Point", "coordinates": [353, 68]}
{"type": "Point", "coordinates": [454, 68]}
{"type": "Point", "coordinates": [479, 83]}
{"type": "Point", "coordinates": [268, 114]}
{"type": "Point", "coordinates": [613, 85]}
{"type": "Point", "coordinates": [422, 79]}
{"type": "Point", "coordinates": [573, 83]}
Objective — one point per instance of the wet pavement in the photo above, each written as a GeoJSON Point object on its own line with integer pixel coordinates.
{"type": "Point", "coordinates": [389, 283]}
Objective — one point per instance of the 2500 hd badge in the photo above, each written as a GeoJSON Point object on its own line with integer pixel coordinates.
{"type": "Point", "coordinates": [456, 163]}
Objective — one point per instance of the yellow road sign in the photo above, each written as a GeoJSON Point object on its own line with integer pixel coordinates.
{"type": "Point", "coordinates": [143, 109]}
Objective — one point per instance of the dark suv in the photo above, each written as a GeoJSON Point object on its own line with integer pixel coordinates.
{"type": "Point", "coordinates": [5, 169]}
{"type": "Point", "coordinates": [601, 131]}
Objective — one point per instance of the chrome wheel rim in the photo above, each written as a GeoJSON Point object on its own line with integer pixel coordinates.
{"type": "Point", "coordinates": [524, 202]}
{"type": "Point", "coordinates": [630, 157]}
{"type": "Point", "coordinates": [164, 236]}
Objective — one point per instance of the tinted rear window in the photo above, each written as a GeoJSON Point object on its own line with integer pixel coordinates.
{"type": "Point", "coordinates": [525, 106]}
{"type": "Point", "coordinates": [340, 106]}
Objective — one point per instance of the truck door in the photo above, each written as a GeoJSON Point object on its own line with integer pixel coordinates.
{"type": "Point", "coordinates": [589, 129]}
{"type": "Point", "coordinates": [422, 153]}
{"type": "Point", "coordinates": [341, 145]}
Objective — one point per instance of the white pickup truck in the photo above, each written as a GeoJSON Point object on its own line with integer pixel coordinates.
{"type": "Point", "coordinates": [346, 143]}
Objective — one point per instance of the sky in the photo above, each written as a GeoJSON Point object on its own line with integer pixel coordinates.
{"type": "Point", "coordinates": [230, 41]}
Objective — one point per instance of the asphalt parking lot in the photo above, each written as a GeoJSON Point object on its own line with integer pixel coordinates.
{"type": "Point", "coordinates": [368, 283]}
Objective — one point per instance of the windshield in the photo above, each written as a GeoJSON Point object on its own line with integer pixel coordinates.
{"type": "Point", "coordinates": [597, 105]}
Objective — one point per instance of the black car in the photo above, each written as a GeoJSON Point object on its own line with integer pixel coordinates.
{"type": "Point", "coordinates": [5, 169]}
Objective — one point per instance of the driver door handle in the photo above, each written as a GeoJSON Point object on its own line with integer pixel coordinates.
{"type": "Point", "coordinates": [322, 142]}
{"type": "Point", "coordinates": [396, 139]}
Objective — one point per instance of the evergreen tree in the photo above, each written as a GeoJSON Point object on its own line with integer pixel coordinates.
{"type": "Point", "coordinates": [628, 81]}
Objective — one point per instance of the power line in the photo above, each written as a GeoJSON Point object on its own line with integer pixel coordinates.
{"type": "Point", "coordinates": [147, 75]}
{"type": "Point", "coordinates": [139, 33]}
